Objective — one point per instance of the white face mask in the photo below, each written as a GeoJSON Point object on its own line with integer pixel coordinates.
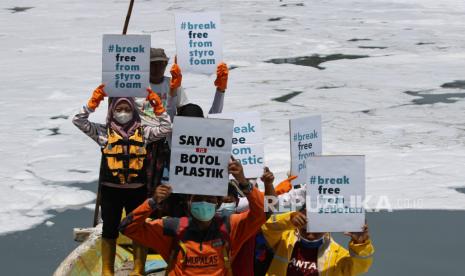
{"type": "Point", "coordinates": [227, 206]}
{"type": "Point", "coordinates": [122, 117]}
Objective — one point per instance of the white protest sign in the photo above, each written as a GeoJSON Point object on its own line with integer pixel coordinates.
{"type": "Point", "coordinates": [199, 45]}
{"type": "Point", "coordinates": [305, 137]}
{"type": "Point", "coordinates": [200, 153]}
{"type": "Point", "coordinates": [335, 193]}
{"type": "Point", "coordinates": [247, 142]}
{"type": "Point", "coordinates": [126, 65]}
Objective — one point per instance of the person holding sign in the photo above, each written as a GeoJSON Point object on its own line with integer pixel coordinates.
{"type": "Point", "coordinates": [298, 252]}
{"type": "Point", "coordinates": [175, 101]}
{"type": "Point", "coordinates": [170, 90]}
{"type": "Point", "coordinates": [204, 243]}
{"type": "Point", "coordinates": [122, 140]}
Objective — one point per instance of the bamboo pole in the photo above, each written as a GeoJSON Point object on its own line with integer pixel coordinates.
{"type": "Point", "coordinates": [99, 192]}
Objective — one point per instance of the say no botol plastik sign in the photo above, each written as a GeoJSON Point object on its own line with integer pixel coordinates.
{"type": "Point", "coordinates": [126, 65]}
{"type": "Point", "coordinates": [200, 154]}
{"type": "Point", "coordinates": [199, 45]}
{"type": "Point", "coordinates": [247, 142]}
{"type": "Point", "coordinates": [306, 141]}
{"type": "Point", "coordinates": [335, 193]}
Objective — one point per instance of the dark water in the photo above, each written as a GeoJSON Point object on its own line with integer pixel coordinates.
{"type": "Point", "coordinates": [455, 84]}
{"type": "Point", "coordinates": [287, 97]}
{"type": "Point", "coordinates": [19, 9]}
{"type": "Point", "coordinates": [314, 60]}
{"type": "Point", "coordinates": [39, 251]}
{"type": "Point", "coordinates": [406, 243]}
{"type": "Point", "coordinates": [372, 47]}
{"type": "Point", "coordinates": [426, 98]}
{"type": "Point", "coordinates": [417, 243]}
{"type": "Point", "coordinates": [358, 39]}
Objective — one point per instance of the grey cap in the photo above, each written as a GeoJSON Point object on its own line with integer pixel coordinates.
{"type": "Point", "coordinates": [158, 54]}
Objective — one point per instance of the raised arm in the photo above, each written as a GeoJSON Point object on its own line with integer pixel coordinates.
{"type": "Point", "coordinates": [247, 224]}
{"type": "Point", "coordinates": [138, 227]}
{"type": "Point", "coordinates": [155, 133]}
{"type": "Point", "coordinates": [176, 91]}
{"type": "Point", "coordinates": [221, 84]}
{"type": "Point", "coordinates": [359, 258]}
{"type": "Point", "coordinates": [98, 132]}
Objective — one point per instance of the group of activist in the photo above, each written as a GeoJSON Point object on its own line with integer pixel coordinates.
{"type": "Point", "coordinates": [199, 234]}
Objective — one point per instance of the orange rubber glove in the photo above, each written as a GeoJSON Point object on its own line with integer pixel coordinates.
{"type": "Point", "coordinates": [97, 97]}
{"type": "Point", "coordinates": [176, 76]}
{"type": "Point", "coordinates": [221, 81]}
{"type": "Point", "coordinates": [285, 186]}
{"type": "Point", "coordinates": [155, 102]}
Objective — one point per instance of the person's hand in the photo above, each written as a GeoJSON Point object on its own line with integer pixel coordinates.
{"type": "Point", "coordinates": [285, 186]}
{"type": "Point", "coordinates": [162, 192]}
{"type": "Point", "coordinates": [176, 76]}
{"type": "Point", "coordinates": [359, 237]}
{"type": "Point", "coordinates": [299, 220]}
{"type": "Point", "coordinates": [97, 97]}
{"type": "Point", "coordinates": [267, 177]}
{"type": "Point", "coordinates": [155, 102]}
{"type": "Point", "coordinates": [235, 168]}
{"type": "Point", "coordinates": [222, 73]}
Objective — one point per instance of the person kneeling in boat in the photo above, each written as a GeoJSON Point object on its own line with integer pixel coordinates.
{"type": "Point", "coordinates": [298, 252]}
{"type": "Point", "coordinates": [204, 243]}
{"type": "Point", "coordinates": [122, 140]}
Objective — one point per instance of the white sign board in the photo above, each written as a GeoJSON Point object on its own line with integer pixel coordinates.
{"type": "Point", "coordinates": [199, 45]}
{"type": "Point", "coordinates": [247, 142]}
{"type": "Point", "coordinates": [200, 154]}
{"type": "Point", "coordinates": [305, 137]}
{"type": "Point", "coordinates": [126, 65]}
{"type": "Point", "coordinates": [335, 193]}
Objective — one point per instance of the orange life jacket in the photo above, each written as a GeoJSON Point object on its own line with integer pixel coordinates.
{"type": "Point", "coordinates": [189, 256]}
{"type": "Point", "coordinates": [124, 160]}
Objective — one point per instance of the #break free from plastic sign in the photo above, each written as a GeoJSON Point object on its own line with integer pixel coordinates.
{"type": "Point", "coordinates": [199, 45]}
{"type": "Point", "coordinates": [335, 193]}
{"type": "Point", "coordinates": [200, 154]}
{"type": "Point", "coordinates": [247, 142]}
{"type": "Point", "coordinates": [305, 137]}
{"type": "Point", "coordinates": [126, 65]}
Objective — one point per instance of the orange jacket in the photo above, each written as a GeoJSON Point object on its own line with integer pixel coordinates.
{"type": "Point", "coordinates": [197, 258]}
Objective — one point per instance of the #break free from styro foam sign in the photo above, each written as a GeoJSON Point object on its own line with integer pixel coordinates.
{"type": "Point", "coordinates": [126, 65]}
{"type": "Point", "coordinates": [247, 141]}
{"type": "Point", "coordinates": [335, 193]}
{"type": "Point", "coordinates": [199, 45]}
{"type": "Point", "coordinates": [200, 155]}
{"type": "Point", "coordinates": [306, 141]}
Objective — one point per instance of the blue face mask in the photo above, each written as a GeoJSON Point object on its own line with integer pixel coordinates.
{"type": "Point", "coordinates": [202, 210]}
{"type": "Point", "coordinates": [311, 244]}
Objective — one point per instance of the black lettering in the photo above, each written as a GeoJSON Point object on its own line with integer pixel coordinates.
{"type": "Point", "coordinates": [182, 139]}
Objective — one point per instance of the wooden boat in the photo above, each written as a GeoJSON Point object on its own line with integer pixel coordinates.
{"type": "Point", "coordinates": [86, 258]}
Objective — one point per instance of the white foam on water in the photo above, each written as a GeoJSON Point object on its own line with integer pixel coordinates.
{"type": "Point", "coordinates": [51, 62]}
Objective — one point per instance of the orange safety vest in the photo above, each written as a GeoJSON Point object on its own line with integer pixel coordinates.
{"type": "Point", "coordinates": [124, 160]}
{"type": "Point", "coordinates": [207, 257]}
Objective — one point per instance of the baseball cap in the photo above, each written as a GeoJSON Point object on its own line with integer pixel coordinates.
{"type": "Point", "coordinates": [158, 54]}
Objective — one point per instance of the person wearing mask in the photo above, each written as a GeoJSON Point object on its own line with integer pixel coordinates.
{"type": "Point", "coordinates": [255, 254]}
{"type": "Point", "coordinates": [204, 242]}
{"type": "Point", "coordinates": [298, 252]}
{"type": "Point", "coordinates": [122, 140]}
{"type": "Point", "coordinates": [175, 101]}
